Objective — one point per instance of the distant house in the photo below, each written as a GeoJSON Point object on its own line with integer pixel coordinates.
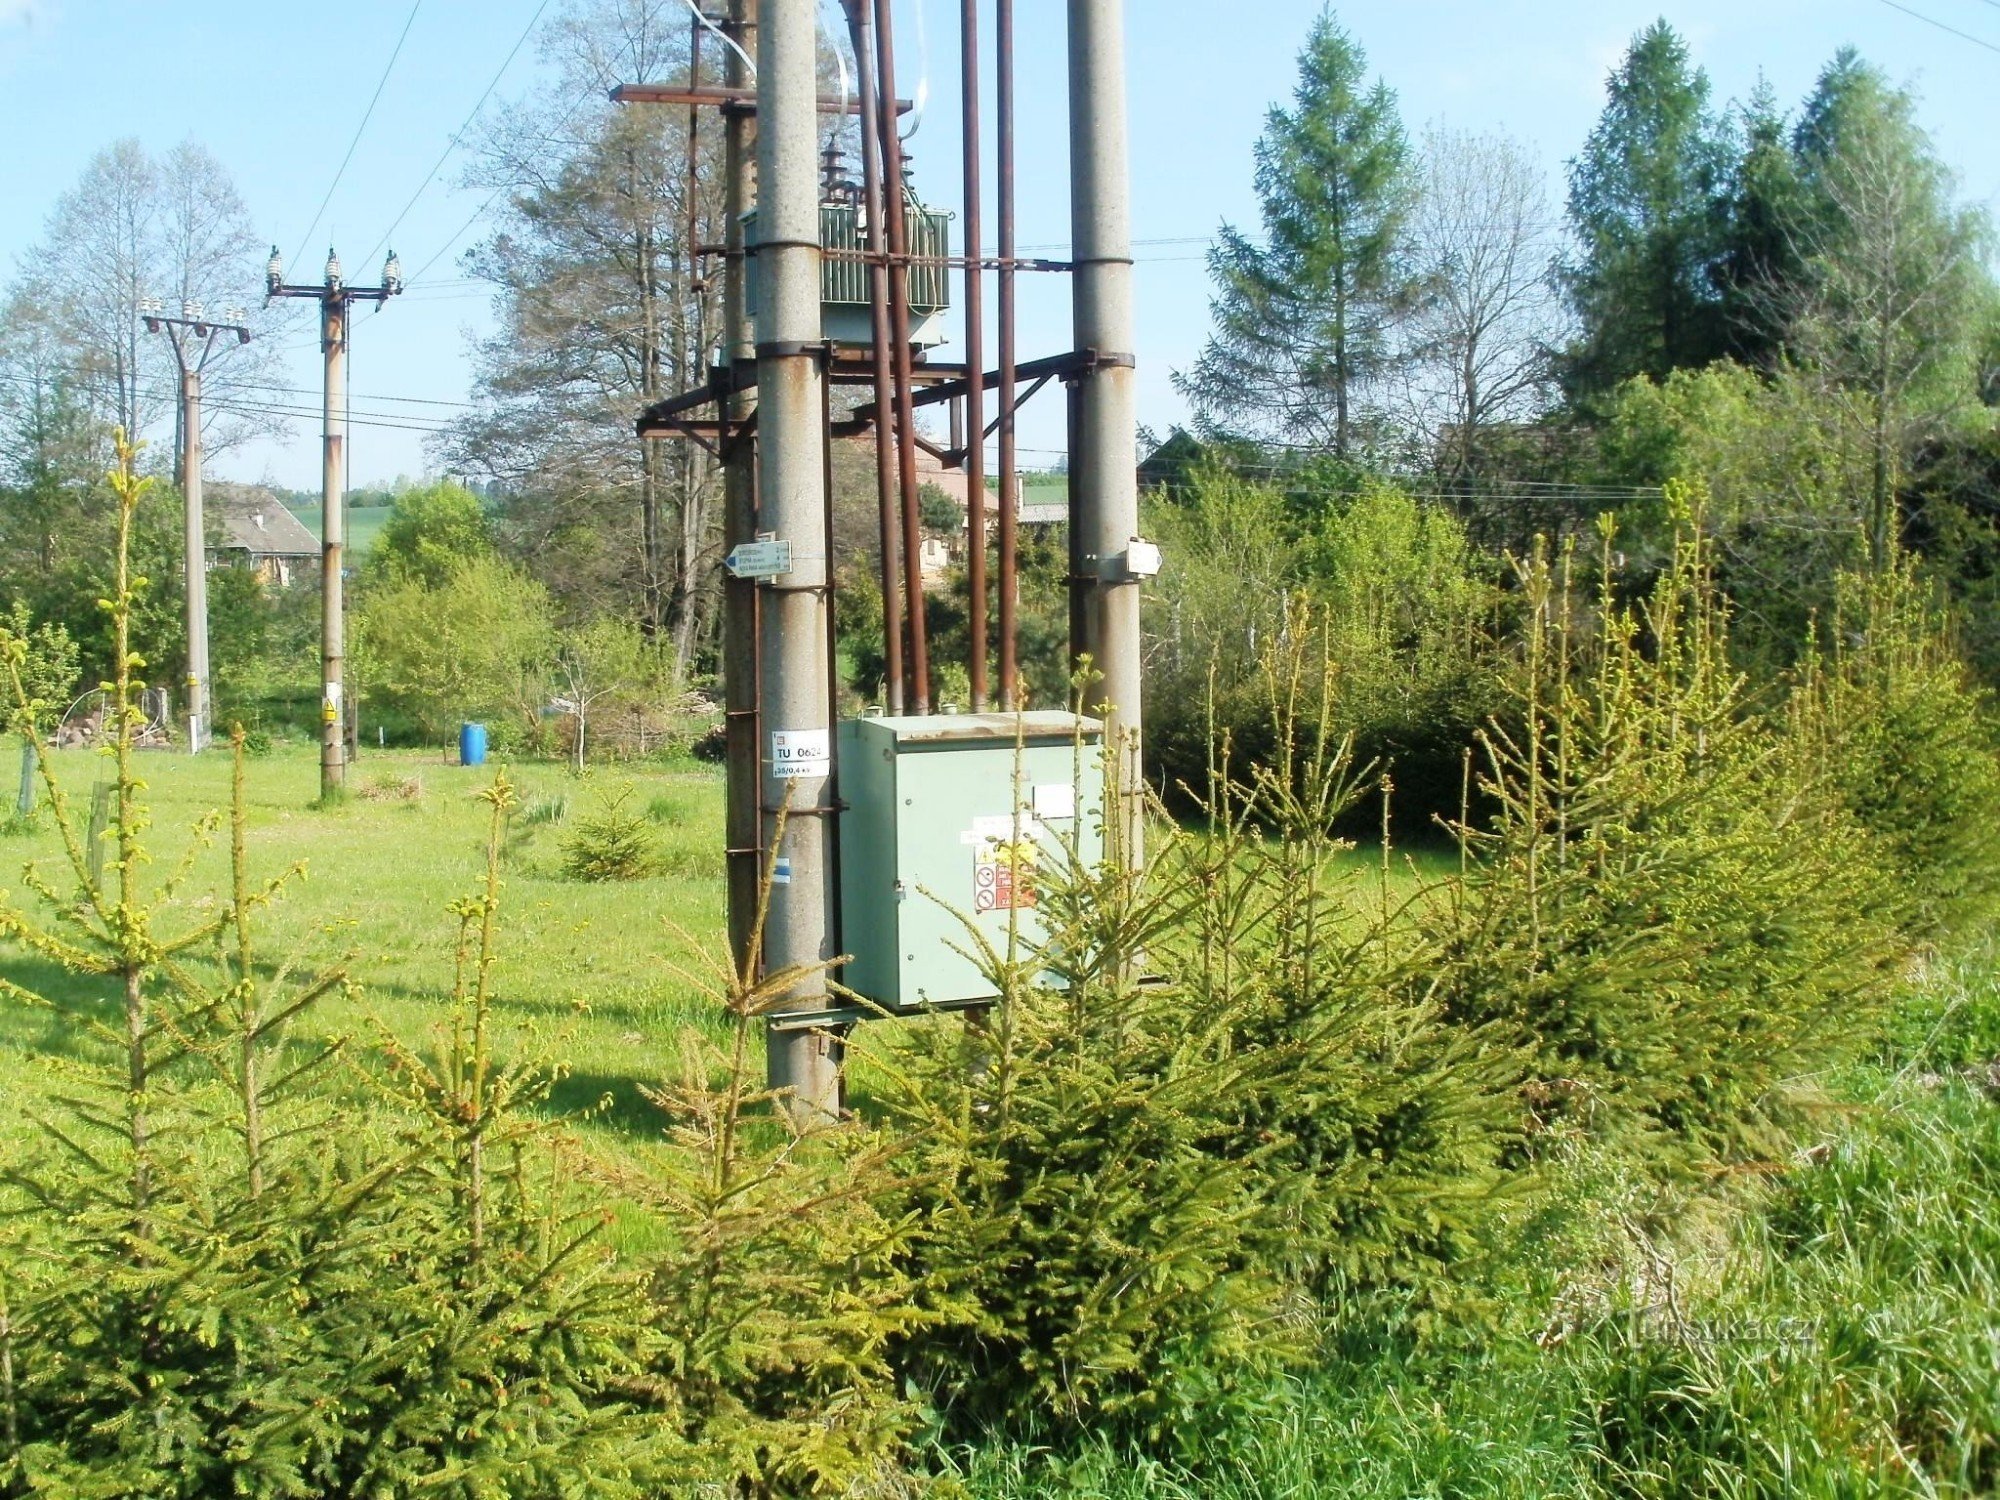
{"type": "Point", "coordinates": [1041, 499]}
{"type": "Point", "coordinates": [252, 528]}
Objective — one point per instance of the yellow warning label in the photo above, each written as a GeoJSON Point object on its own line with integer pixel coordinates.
{"type": "Point", "coordinates": [1004, 877]}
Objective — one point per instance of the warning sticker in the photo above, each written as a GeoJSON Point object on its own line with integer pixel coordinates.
{"type": "Point", "coordinates": [1003, 876]}
{"type": "Point", "coordinates": [797, 754]}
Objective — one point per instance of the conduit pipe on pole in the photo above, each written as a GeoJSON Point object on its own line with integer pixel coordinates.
{"type": "Point", "coordinates": [860, 30]}
{"type": "Point", "coordinates": [975, 356]}
{"type": "Point", "coordinates": [1010, 479]}
{"type": "Point", "coordinates": [743, 831]}
{"type": "Point", "coordinates": [919, 696]}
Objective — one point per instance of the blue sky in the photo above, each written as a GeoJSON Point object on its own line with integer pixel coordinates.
{"type": "Point", "coordinates": [258, 84]}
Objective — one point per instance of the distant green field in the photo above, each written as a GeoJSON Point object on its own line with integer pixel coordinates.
{"type": "Point", "coordinates": [364, 524]}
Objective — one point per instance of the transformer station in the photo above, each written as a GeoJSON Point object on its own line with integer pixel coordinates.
{"type": "Point", "coordinates": [885, 834]}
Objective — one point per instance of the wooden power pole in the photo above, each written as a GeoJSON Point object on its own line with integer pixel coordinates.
{"type": "Point", "coordinates": [335, 298]}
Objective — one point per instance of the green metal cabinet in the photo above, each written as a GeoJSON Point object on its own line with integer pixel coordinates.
{"type": "Point", "coordinates": [954, 822]}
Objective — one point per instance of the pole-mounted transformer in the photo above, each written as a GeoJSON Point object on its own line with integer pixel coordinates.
{"type": "Point", "coordinates": [900, 819]}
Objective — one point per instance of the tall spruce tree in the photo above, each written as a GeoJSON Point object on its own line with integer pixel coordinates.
{"type": "Point", "coordinates": [1303, 321]}
{"type": "Point", "coordinates": [1646, 207]}
{"type": "Point", "coordinates": [1760, 260]}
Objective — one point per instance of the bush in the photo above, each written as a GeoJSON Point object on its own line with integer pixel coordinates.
{"type": "Point", "coordinates": [1389, 586]}
{"type": "Point", "coordinates": [612, 843]}
{"type": "Point", "coordinates": [215, 1284]}
{"type": "Point", "coordinates": [1126, 1192]}
{"type": "Point", "coordinates": [1907, 738]}
{"type": "Point", "coordinates": [782, 1284]}
{"type": "Point", "coordinates": [1671, 910]}
{"type": "Point", "coordinates": [476, 644]}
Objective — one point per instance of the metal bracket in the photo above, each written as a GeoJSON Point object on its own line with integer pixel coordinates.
{"type": "Point", "coordinates": [786, 349]}
{"type": "Point", "coordinates": [830, 1016]}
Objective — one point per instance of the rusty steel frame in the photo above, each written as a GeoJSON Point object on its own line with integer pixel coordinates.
{"type": "Point", "coordinates": [900, 382]}
{"type": "Point", "coordinates": [888, 515]}
{"type": "Point", "coordinates": [728, 98]}
{"type": "Point", "coordinates": [973, 451]}
{"type": "Point", "coordinates": [917, 698]}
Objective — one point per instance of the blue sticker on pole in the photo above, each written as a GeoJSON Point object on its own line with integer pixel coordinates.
{"type": "Point", "coordinates": [781, 872]}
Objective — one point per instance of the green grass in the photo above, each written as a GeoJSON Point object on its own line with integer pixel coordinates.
{"type": "Point", "coordinates": [1827, 1332]}
{"type": "Point", "coordinates": [1832, 1331]}
{"type": "Point", "coordinates": [609, 963]}
{"type": "Point", "coordinates": [605, 965]}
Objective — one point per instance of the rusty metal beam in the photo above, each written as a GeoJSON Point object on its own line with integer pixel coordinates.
{"type": "Point", "coordinates": [722, 96]}
{"type": "Point", "coordinates": [1039, 371]}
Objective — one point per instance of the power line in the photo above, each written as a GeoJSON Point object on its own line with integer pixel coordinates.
{"type": "Point", "coordinates": [90, 380]}
{"type": "Point", "coordinates": [491, 199]}
{"type": "Point", "coordinates": [452, 144]}
{"type": "Point", "coordinates": [251, 407]}
{"type": "Point", "coordinates": [1963, 36]}
{"type": "Point", "coordinates": [366, 116]}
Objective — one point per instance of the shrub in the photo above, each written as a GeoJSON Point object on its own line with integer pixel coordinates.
{"type": "Point", "coordinates": [1670, 909]}
{"type": "Point", "coordinates": [475, 644]}
{"type": "Point", "coordinates": [1392, 589]}
{"type": "Point", "coordinates": [1907, 738]}
{"type": "Point", "coordinates": [780, 1286]}
{"type": "Point", "coordinates": [215, 1284]}
{"type": "Point", "coordinates": [387, 786]}
{"type": "Point", "coordinates": [613, 843]}
{"type": "Point", "coordinates": [1128, 1182]}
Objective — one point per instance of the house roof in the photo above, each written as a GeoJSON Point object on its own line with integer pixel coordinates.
{"type": "Point", "coordinates": [252, 519]}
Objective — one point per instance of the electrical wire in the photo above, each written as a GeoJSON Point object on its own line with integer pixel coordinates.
{"type": "Point", "coordinates": [840, 59]}
{"type": "Point", "coordinates": [726, 39]}
{"type": "Point", "coordinates": [459, 134]}
{"type": "Point", "coordinates": [1963, 36]}
{"type": "Point", "coordinates": [491, 198]}
{"type": "Point", "coordinates": [923, 95]}
{"type": "Point", "coordinates": [366, 116]}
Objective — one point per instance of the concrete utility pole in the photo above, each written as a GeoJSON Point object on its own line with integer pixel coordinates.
{"type": "Point", "coordinates": [335, 298]}
{"type": "Point", "coordinates": [739, 510]}
{"type": "Point", "coordinates": [194, 340]}
{"type": "Point", "coordinates": [796, 708]}
{"type": "Point", "coordinates": [1104, 470]}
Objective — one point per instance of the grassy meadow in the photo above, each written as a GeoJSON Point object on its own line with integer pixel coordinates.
{"type": "Point", "coordinates": [1826, 1331]}
{"type": "Point", "coordinates": [364, 524]}
{"type": "Point", "coordinates": [604, 971]}
{"type": "Point", "coordinates": [608, 972]}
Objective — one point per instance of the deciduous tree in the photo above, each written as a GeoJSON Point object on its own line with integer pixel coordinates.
{"type": "Point", "coordinates": [1894, 288]}
{"type": "Point", "coordinates": [1479, 340]}
{"type": "Point", "coordinates": [132, 228]}
{"type": "Point", "coordinates": [601, 312]}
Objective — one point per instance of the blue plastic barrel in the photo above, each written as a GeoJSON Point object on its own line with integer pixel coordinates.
{"type": "Point", "coordinates": [472, 744]}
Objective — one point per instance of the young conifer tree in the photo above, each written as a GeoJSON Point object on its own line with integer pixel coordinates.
{"type": "Point", "coordinates": [217, 1283]}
